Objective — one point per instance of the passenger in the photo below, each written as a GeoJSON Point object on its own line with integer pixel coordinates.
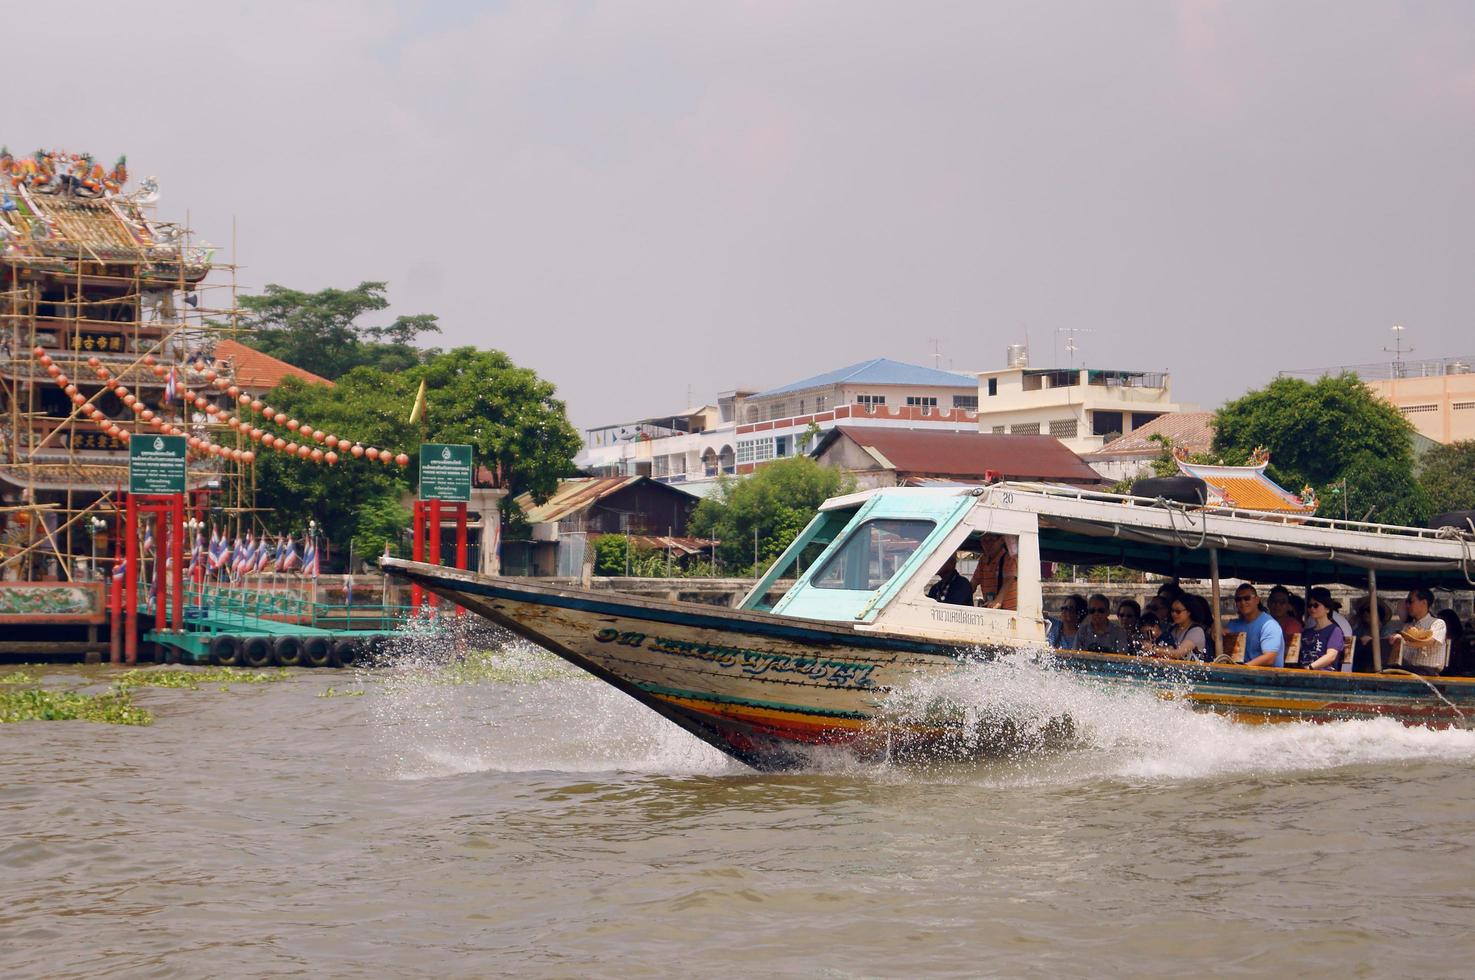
{"type": "Point", "coordinates": [1149, 632]}
{"type": "Point", "coordinates": [1186, 640]}
{"type": "Point", "coordinates": [1265, 644]}
{"type": "Point", "coordinates": [950, 586]}
{"type": "Point", "coordinates": [1064, 634]}
{"type": "Point", "coordinates": [1128, 616]}
{"type": "Point", "coordinates": [1278, 604]}
{"type": "Point", "coordinates": [1459, 651]}
{"type": "Point", "coordinates": [1362, 632]}
{"type": "Point", "coordinates": [1323, 645]}
{"type": "Point", "coordinates": [1421, 646]}
{"type": "Point", "coordinates": [996, 579]}
{"type": "Point", "coordinates": [1098, 633]}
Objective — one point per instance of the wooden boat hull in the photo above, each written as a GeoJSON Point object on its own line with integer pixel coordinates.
{"type": "Point", "coordinates": [767, 689]}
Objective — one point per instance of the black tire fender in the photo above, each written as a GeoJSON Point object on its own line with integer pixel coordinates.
{"type": "Point", "coordinates": [317, 651]}
{"type": "Point", "coordinates": [345, 652]}
{"type": "Point", "coordinates": [225, 651]}
{"type": "Point", "coordinates": [256, 652]}
{"type": "Point", "coordinates": [288, 650]}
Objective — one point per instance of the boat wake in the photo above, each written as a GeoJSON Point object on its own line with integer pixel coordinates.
{"type": "Point", "coordinates": [1048, 723]}
{"type": "Point", "coordinates": [474, 699]}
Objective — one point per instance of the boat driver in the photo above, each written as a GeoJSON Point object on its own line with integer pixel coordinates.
{"type": "Point", "coordinates": [1265, 642]}
{"type": "Point", "coordinates": [951, 587]}
{"type": "Point", "coordinates": [1420, 648]}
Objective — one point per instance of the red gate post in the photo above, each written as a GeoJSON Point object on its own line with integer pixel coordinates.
{"type": "Point", "coordinates": [434, 544]}
{"type": "Point", "coordinates": [460, 544]}
{"type": "Point", "coordinates": [176, 533]}
{"type": "Point", "coordinates": [115, 594]}
{"type": "Point", "coordinates": [130, 584]}
{"type": "Point", "coordinates": [417, 553]}
{"type": "Point", "coordinates": [161, 566]}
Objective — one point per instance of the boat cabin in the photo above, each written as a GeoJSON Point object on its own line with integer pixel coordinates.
{"type": "Point", "coordinates": [867, 559]}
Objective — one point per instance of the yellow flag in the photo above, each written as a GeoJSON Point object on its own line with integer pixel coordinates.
{"type": "Point", "coordinates": [418, 412]}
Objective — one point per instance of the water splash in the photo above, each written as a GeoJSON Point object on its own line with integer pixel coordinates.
{"type": "Point", "coordinates": [472, 698]}
{"type": "Point", "coordinates": [1049, 724]}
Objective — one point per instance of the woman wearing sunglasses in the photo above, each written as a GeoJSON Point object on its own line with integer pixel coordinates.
{"type": "Point", "coordinates": [1185, 639]}
{"type": "Point", "coordinates": [1322, 643]}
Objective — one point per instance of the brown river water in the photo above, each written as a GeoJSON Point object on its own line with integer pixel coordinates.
{"type": "Point", "coordinates": [529, 821]}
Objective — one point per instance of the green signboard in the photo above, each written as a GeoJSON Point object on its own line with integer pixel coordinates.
{"type": "Point", "coordinates": [445, 472]}
{"type": "Point", "coordinates": [156, 464]}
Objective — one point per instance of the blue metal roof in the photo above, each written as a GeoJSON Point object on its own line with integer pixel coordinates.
{"type": "Point", "coordinates": [880, 371]}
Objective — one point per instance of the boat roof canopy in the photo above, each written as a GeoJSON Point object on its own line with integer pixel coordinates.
{"type": "Point", "coordinates": [1094, 528]}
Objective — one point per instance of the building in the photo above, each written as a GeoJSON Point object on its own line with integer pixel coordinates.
{"type": "Point", "coordinates": [1085, 408]}
{"type": "Point", "coordinates": [1437, 395]}
{"type": "Point", "coordinates": [587, 507]}
{"type": "Point", "coordinates": [747, 428]}
{"type": "Point", "coordinates": [889, 457]}
{"type": "Point", "coordinates": [1130, 456]}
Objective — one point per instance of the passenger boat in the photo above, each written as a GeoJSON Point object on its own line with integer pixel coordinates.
{"type": "Point", "coordinates": [821, 665]}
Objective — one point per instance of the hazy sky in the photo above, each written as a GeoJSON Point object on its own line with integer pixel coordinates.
{"type": "Point", "coordinates": [637, 197]}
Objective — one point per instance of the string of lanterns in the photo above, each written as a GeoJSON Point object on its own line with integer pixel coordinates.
{"type": "Point", "coordinates": [199, 445]}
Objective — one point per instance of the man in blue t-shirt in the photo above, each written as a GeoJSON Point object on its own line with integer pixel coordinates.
{"type": "Point", "coordinates": [1265, 642]}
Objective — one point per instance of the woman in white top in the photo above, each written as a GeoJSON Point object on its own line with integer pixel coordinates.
{"type": "Point", "coordinates": [1186, 639]}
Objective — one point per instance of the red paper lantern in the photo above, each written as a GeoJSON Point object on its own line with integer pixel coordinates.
{"type": "Point", "coordinates": [147, 414]}
{"type": "Point", "coordinates": [332, 442]}
{"type": "Point", "coordinates": [372, 453]}
{"type": "Point", "coordinates": [291, 447]}
{"type": "Point", "coordinates": [120, 391]}
{"type": "Point", "coordinates": [304, 451]}
{"type": "Point", "coordinates": [256, 404]}
{"type": "Point", "coordinates": [402, 459]}
{"type": "Point", "coordinates": [280, 418]}
{"type": "Point", "coordinates": [317, 455]}
{"type": "Point", "coordinates": [130, 401]}
{"type": "Point", "coordinates": [70, 390]}
{"type": "Point", "coordinates": [331, 457]}
{"type": "Point", "coordinates": [233, 391]}
{"type": "Point", "coordinates": [209, 373]}
{"type": "Point", "coordinates": [278, 443]}
{"type": "Point", "coordinates": [357, 450]}
{"type": "Point", "coordinates": [93, 362]}
{"type": "Point", "coordinates": [292, 424]}
{"type": "Point", "coordinates": [255, 435]}
{"type": "Point", "coordinates": [39, 351]}
{"type": "Point", "coordinates": [150, 359]}
{"type": "Point", "coordinates": [248, 457]}
{"type": "Point", "coordinates": [160, 370]}
{"type": "Point", "coordinates": [53, 370]}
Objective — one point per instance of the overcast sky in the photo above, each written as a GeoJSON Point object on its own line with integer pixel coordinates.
{"type": "Point", "coordinates": [635, 198]}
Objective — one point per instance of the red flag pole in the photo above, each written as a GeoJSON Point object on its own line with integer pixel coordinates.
{"type": "Point", "coordinates": [434, 544]}
{"type": "Point", "coordinates": [417, 553]}
{"type": "Point", "coordinates": [176, 533]}
{"type": "Point", "coordinates": [460, 544]}
{"type": "Point", "coordinates": [130, 586]}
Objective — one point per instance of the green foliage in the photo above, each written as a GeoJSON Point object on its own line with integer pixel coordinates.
{"type": "Point", "coordinates": [609, 559]}
{"type": "Point", "coordinates": [190, 679]}
{"type": "Point", "coordinates": [21, 676]}
{"type": "Point", "coordinates": [1314, 431]}
{"type": "Point", "coordinates": [1448, 476]}
{"type": "Point", "coordinates": [115, 707]}
{"type": "Point", "coordinates": [319, 332]}
{"type": "Point", "coordinates": [777, 501]}
{"type": "Point", "coordinates": [1323, 434]}
{"type": "Point", "coordinates": [507, 414]}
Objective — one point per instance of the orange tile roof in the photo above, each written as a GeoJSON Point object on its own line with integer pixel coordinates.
{"type": "Point", "coordinates": [1194, 431]}
{"type": "Point", "coordinates": [1252, 493]}
{"type": "Point", "coordinates": [257, 371]}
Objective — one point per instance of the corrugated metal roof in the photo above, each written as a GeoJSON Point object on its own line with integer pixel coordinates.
{"type": "Point", "coordinates": [967, 455]}
{"type": "Point", "coordinates": [250, 368]}
{"type": "Point", "coordinates": [1194, 431]}
{"type": "Point", "coordinates": [880, 371]}
{"type": "Point", "coordinates": [573, 496]}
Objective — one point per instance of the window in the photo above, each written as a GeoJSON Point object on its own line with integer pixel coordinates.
{"type": "Point", "coordinates": [1463, 406]}
{"type": "Point", "coordinates": [1412, 409]}
{"type": "Point", "coordinates": [754, 450]}
{"type": "Point", "coordinates": [781, 446]}
{"type": "Point", "coordinates": [1064, 428]}
{"type": "Point", "coordinates": [1025, 428]}
{"type": "Point", "coordinates": [870, 402]}
{"type": "Point", "coordinates": [778, 410]}
{"type": "Point", "coordinates": [927, 403]}
{"type": "Point", "coordinates": [993, 386]}
{"type": "Point", "coordinates": [819, 403]}
{"type": "Point", "coordinates": [1139, 419]}
{"type": "Point", "coordinates": [999, 430]}
{"type": "Point", "coordinates": [872, 554]}
{"type": "Point", "coordinates": [969, 403]}
{"type": "Point", "coordinates": [1106, 424]}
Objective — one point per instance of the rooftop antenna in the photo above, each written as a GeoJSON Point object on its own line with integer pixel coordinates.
{"type": "Point", "coordinates": [1070, 340]}
{"type": "Point", "coordinates": [936, 351]}
{"type": "Point", "coordinates": [1398, 350]}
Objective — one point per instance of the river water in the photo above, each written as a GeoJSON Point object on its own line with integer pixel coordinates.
{"type": "Point", "coordinates": [530, 821]}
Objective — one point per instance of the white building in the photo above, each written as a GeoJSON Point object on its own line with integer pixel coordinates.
{"type": "Point", "coordinates": [1082, 407]}
{"type": "Point", "coordinates": [747, 428]}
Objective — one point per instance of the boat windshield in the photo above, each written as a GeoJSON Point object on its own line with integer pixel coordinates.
{"type": "Point", "coordinates": [872, 555]}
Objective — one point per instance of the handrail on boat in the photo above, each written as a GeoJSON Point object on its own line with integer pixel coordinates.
{"type": "Point", "coordinates": [1289, 520]}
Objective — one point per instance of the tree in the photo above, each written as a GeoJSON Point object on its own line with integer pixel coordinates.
{"type": "Point", "coordinates": [1448, 476]}
{"type": "Point", "coordinates": [517, 429]}
{"type": "Point", "coordinates": [777, 501]}
{"type": "Point", "coordinates": [1381, 489]}
{"type": "Point", "coordinates": [1314, 431]}
{"type": "Point", "coordinates": [320, 332]}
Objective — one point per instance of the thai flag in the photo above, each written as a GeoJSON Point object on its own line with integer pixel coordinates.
{"type": "Point", "coordinates": [310, 558]}
{"type": "Point", "coordinates": [217, 549]}
{"type": "Point", "coordinates": [290, 560]}
{"type": "Point", "coordinates": [148, 541]}
{"type": "Point", "coordinates": [119, 569]}
{"type": "Point", "coordinates": [171, 387]}
{"type": "Point", "coordinates": [197, 554]}
{"type": "Point", "coordinates": [263, 556]}
{"type": "Point", "coordinates": [246, 557]}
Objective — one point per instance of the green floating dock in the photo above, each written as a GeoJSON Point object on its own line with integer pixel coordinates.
{"type": "Point", "coordinates": [257, 628]}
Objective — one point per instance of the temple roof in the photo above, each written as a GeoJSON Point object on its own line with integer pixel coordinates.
{"type": "Point", "coordinates": [1248, 488]}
